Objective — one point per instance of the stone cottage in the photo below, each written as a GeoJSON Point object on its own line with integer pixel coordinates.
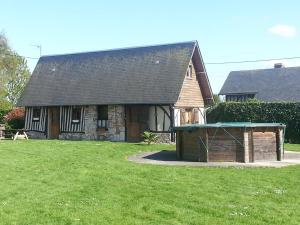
{"type": "Point", "coordinates": [117, 94]}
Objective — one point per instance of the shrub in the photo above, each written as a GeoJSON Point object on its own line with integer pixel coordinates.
{"type": "Point", "coordinates": [255, 111]}
{"type": "Point", "coordinates": [15, 118]}
{"type": "Point", "coordinates": [5, 107]}
{"type": "Point", "coordinates": [150, 137]}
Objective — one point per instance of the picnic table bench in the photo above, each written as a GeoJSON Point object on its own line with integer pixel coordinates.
{"type": "Point", "coordinates": [12, 133]}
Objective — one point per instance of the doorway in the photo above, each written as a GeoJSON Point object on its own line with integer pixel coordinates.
{"type": "Point", "coordinates": [53, 124]}
{"type": "Point", "coordinates": [136, 122]}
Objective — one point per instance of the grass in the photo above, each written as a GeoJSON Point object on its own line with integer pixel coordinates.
{"type": "Point", "coordinates": [69, 182]}
{"type": "Point", "coordinates": [292, 147]}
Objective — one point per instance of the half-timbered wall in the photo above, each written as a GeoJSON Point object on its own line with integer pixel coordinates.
{"type": "Point", "coordinates": [35, 125]}
{"type": "Point", "coordinates": [159, 118]}
{"type": "Point", "coordinates": [66, 122]}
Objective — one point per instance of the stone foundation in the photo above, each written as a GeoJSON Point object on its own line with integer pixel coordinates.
{"type": "Point", "coordinates": [36, 135]}
{"type": "Point", "coordinates": [73, 136]}
{"type": "Point", "coordinates": [164, 138]}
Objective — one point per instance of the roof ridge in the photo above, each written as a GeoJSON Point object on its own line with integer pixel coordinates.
{"type": "Point", "coordinates": [290, 67]}
{"type": "Point", "coordinates": [119, 49]}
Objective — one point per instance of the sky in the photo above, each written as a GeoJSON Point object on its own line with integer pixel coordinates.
{"type": "Point", "coordinates": [225, 30]}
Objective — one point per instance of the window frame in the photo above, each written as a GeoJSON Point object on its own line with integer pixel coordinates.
{"type": "Point", "coordinates": [75, 114]}
{"type": "Point", "coordinates": [36, 110]}
{"type": "Point", "coordinates": [192, 115]}
{"type": "Point", "coordinates": [102, 120]}
{"type": "Point", "coordinates": [239, 97]}
{"type": "Point", "coordinates": [189, 72]}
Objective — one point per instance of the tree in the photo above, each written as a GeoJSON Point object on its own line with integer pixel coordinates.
{"type": "Point", "coordinates": [217, 99]}
{"type": "Point", "coordinates": [14, 72]}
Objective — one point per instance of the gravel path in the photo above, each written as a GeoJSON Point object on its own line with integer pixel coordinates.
{"type": "Point", "coordinates": [168, 158]}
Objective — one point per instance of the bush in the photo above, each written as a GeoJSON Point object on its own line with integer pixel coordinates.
{"type": "Point", "coordinates": [150, 137]}
{"type": "Point", "coordinates": [263, 112]}
{"type": "Point", "coordinates": [5, 107]}
{"type": "Point", "coordinates": [15, 118]}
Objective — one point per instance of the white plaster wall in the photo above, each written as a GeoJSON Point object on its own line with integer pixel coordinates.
{"type": "Point", "coordinates": [177, 117]}
{"type": "Point", "coordinates": [160, 118]}
{"type": "Point", "coordinates": [201, 116]}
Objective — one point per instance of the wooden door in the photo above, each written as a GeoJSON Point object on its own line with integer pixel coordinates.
{"type": "Point", "coordinates": [136, 122]}
{"type": "Point", "coordinates": [53, 123]}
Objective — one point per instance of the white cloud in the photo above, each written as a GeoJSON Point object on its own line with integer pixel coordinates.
{"type": "Point", "coordinates": [283, 30]}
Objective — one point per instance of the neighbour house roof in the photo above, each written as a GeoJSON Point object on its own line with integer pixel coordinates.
{"type": "Point", "coordinates": [277, 84]}
{"type": "Point", "coordinates": [139, 75]}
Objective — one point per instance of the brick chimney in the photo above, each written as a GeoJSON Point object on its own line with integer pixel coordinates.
{"type": "Point", "coordinates": [278, 65]}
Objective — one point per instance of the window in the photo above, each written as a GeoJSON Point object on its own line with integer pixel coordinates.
{"type": "Point", "coordinates": [189, 116]}
{"type": "Point", "coordinates": [102, 116]}
{"type": "Point", "coordinates": [189, 72]}
{"type": "Point", "coordinates": [195, 115]}
{"type": "Point", "coordinates": [76, 114]}
{"type": "Point", "coordinates": [36, 112]}
{"type": "Point", "coordinates": [239, 97]}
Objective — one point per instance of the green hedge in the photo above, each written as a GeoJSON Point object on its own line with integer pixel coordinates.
{"type": "Point", "coordinates": [287, 113]}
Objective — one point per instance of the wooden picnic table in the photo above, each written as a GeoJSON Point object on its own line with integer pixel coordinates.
{"type": "Point", "coordinates": [13, 133]}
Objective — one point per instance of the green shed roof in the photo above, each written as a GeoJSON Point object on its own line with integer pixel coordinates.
{"type": "Point", "coordinates": [229, 124]}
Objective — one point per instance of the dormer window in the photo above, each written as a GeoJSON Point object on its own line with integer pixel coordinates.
{"type": "Point", "coordinates": [189, 71]}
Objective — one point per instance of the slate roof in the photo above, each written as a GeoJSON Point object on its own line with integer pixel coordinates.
{"type": "Point", "coordinates": [140, 75]}
{"type": "Point", "coordinates": [276, 84]}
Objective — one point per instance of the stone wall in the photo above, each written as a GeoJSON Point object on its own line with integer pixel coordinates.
{"type": "Point", "coordinates": [90, 123]}
{"type": "Point", "coordinates": [116, 123]}
{"type": "Point", "coordinates": [114, 132]}
{"type": "Point", "coordinates": [36, 135]}
{"type": "Point", "coordinates": [164, 137]}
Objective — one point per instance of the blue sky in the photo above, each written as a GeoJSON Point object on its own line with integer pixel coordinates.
{"type": "Point", "coordinates": [226, 30]}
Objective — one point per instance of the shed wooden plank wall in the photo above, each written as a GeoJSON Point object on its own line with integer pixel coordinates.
{"type": "Point", "coordinates": [264, 146]}
{"type": "Point", "coordinates": [218, 144]}
{"type": "Point", "coordinates": [191, 145]}
{"type": "Point", "coordinates": [222, 147]}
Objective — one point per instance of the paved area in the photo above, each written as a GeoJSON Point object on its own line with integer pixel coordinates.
{"type": "Point", "coordinates": [168, 158]}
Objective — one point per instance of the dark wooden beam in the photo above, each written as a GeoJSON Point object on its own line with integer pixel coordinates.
{"type": "Point", "coordinates": [252, 144]}
{"type": "Point", "coordinates": [156, 118]}
{"type": "Point", "coordinates": [164, 121]}
{"type": "Point", "coordinates": [125, 121]}
{"type": "Point", "coordinates": [172, 122]}
{"type": "Point", "coordinates": [278, 145]}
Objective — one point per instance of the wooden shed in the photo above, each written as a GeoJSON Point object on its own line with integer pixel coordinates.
{"type": "Point", "coordinates": [230, 142]}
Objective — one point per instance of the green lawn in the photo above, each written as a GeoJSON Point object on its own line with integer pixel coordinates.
{"type": "Point", "coordinates": [292, 147]}
{"type": "Point", "coordinates": [68, 182]}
